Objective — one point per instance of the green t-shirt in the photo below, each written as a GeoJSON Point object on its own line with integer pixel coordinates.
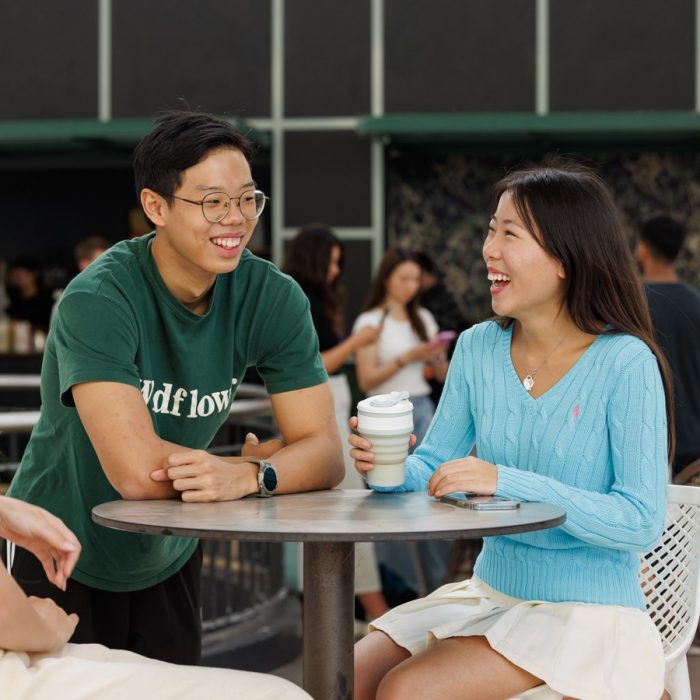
{"type": "Point", "coordinates": [118, 322]}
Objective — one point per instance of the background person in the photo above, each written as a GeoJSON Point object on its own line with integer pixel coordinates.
{"type": "Point", "coordinates": [675, 315]}
{"type": "Point", "coordinates": [29, 299]}
{"type": "Point", "coordinates": [89, 249]}
{"type": "Point", "coordinates": [84, 253]}
{"type": "Point", "coordinates": [568, 399]}
{"type": "Point", "coordinates": [37, 661]}
{"type": "Point", "coordinates": [435, 297]}
{"type": "Point", "coordinates": [396, 362]}
{"type": "Point", "coordinates": [148, 347]}
{"type": "Point", "coordinates": [314, 258]}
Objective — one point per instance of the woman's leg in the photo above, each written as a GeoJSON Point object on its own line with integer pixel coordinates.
{"type": "Point", "coordinates": [458, 668]}
{"type": "Point", "coordinates": [375, 656]}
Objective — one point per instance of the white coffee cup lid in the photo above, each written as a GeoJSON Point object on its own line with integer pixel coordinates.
{"type": "Point", "coordinates": [395, 402]}
{"type": "Point", "coordinates": [388, 399]}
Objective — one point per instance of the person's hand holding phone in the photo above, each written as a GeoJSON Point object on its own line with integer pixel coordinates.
{"type": "Point", "coordinates": [443, 338]}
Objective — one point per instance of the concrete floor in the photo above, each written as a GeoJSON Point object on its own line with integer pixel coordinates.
{"type": "Point", "coordinates": [293, 672]}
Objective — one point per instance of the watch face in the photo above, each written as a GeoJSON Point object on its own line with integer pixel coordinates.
{"type": "Point", "coordinates": [270, 478]}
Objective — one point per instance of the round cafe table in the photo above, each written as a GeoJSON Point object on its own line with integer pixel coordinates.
{"type": "Point", "coordinates": [329, 523]}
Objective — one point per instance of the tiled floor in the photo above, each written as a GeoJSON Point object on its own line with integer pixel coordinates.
{"type": "Point", "coordinates": [293, 672]}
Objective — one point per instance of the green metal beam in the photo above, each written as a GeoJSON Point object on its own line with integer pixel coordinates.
{"type": "Point", "coordinates": [527, 127]}
{"type": "Point", "coordinates": [85, 133]}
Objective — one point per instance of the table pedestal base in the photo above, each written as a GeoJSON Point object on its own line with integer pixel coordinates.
{"type": "Point", "coordinates": [329, 577]}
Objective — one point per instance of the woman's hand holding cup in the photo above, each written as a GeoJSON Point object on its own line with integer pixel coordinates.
{"type": "Point", "coordinates": [361, 451]}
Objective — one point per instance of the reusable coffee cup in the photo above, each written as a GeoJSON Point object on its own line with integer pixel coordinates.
{"type": "Point", "coordinates": [386, 420]}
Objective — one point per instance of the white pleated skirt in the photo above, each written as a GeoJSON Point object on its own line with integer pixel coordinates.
{"type": "Point", "coordinates": [592, 652]}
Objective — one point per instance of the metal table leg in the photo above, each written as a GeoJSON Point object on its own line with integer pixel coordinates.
{"type": "Point", "coordinates": [329, 570]}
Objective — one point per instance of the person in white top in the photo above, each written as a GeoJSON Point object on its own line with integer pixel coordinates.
{"type": "Point", "coordinates": [36, 660]}
{"type": "Point", "coordinates": [408, 339]}
{"type": "Point", "coordinates": [407, 345]}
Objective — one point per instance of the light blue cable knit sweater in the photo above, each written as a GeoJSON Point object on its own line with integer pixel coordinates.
{"type": "Point", "coordinates": [595, 444]}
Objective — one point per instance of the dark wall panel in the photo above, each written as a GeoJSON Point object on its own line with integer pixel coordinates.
{"type": "Point", "coordinates": [46, 212]}
{"type": "Point", "coordinates": [456, 56]}
{"type": "Point", "coordinates": [622, 55]}
{"type": "Point", "coordinates": [327, 58]}
{"type": "Point", "coordinates": [48, 54]}
{"type": "Point", "coordinates": [327, 178]}
{"type": "Point", "coordinates": [357, 277]}
{"type": "Point", "coordinates": [214, 54]}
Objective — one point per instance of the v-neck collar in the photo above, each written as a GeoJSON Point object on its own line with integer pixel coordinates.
{"type": "Point", "coordinates": [558, 387]}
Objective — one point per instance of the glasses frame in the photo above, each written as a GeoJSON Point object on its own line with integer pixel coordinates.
{"type": "Point", "coordinates": [237, 201]}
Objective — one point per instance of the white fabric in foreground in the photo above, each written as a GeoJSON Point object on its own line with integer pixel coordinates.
{"type": "Point", "coordinates": [94, 672]}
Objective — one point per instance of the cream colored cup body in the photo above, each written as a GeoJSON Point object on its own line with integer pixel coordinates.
{"type": "Point", "coordinates": [388, 428]}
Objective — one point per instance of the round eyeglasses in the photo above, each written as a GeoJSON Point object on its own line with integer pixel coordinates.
{"type": "Point", "coordinates": [217, 205]}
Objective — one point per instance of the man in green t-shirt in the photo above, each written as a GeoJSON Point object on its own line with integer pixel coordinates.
{"type": "Point", "coordinates": [144, 356]}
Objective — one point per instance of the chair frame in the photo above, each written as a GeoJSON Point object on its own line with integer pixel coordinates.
{"type": "Point", "coordinates": [669, 575]}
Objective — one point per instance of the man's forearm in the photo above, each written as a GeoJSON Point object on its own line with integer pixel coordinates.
{"type": "Point", "coordinates": [309, 464]}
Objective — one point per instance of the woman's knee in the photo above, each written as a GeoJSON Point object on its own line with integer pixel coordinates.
{"type": "Point", "coordinates": [375, 655]}
{"type": "Point", "coordinates": [397, 684]}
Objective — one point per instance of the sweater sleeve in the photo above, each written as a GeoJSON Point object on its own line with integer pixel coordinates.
{"type": "Point", "coordinates": [630, 515]}
{"type": "Point", "coordinates": [451, 432]}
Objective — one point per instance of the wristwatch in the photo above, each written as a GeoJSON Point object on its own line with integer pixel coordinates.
{"type": "Point", "coordinates": [267, 477]}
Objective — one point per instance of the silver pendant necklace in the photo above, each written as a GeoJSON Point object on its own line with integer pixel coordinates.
{"type": "Point", "coordinates": [529, 379]}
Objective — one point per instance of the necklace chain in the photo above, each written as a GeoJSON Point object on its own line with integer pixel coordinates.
{"type": "Point", "coordinates": [529, 379]}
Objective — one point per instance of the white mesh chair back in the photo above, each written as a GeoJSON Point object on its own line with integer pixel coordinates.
{"type": "Point", "coordinates": [670, 573]}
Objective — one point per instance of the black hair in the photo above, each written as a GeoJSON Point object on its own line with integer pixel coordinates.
{"type": "Point", "coordinates": [377, 291]}
{"type": "Point", "coordinates": [307, 259]}
{"type": "Point", "coordinates": [179, 140]}
{"type": "Point", "coordinates": [571, 213]}
{"type": "Point", "coordinates": [664, 236]}
{"type": "Point", "coordinates": [427, 264]}
{"type": "Point", "coordinates": [26, 262]}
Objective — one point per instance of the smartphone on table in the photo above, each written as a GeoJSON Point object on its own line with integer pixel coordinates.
{"type": "Point", "coordinates": [474, 502]}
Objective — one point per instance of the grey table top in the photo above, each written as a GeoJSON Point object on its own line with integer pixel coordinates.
{"type": "Point", "coordinates": [324, 516]}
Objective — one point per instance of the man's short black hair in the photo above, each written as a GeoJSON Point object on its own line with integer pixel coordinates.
{"type": "Point", "coordinates": [179, 140]}
{"type": "Point", "coordinates": [427, 264]}
{"type": "Point", "coordinates": [664, 236]}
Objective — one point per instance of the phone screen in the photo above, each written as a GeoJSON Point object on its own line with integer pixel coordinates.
{"type": "Point", "coordinates": [444, 337]}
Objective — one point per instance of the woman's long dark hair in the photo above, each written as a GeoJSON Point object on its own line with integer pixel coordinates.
{"type": "Point", "coordinates": [307, 259]}
{"type": "Point", "coordinates": [377, 291]}
{"type": "Point", "coordinates": [571, 213]}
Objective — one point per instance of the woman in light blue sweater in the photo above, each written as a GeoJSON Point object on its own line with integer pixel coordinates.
{"type": "Point", "coordinates": [567, 399]}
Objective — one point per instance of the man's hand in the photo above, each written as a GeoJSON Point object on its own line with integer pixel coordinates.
{"type": "Point", "coordinates": [59, 622]}
{"type": "Point", "coordinates": [43, 534]}
{"type": "Point", "coordinates": [260, 450]}
{"type": "Point", "coordinates": [202, 477]}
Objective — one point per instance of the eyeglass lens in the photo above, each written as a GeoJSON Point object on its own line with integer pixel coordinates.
{"type": "Point", "coordinates": [216, 205]}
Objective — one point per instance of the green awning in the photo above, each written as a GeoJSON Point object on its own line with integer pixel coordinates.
{"type": "Point", "coordinates": [526, 128]}
{"type": "Point", "coordinates": [88, 134]}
